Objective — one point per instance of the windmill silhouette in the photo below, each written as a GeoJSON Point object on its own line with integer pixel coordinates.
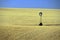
{"type": "Point", "coordinates": [40, 14]}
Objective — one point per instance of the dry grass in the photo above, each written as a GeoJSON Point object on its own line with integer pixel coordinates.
{"type": "Point", "coordinates": [22, 24]}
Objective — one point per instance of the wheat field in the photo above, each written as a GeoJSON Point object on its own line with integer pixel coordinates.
{"type": "Point", "coordinates": [23, 24]}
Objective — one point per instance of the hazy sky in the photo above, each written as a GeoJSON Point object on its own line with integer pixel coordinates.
{"type": "Point", "coordinates": [30, 3]}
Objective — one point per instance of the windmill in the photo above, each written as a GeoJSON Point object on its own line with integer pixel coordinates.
{"type": "Point", "coordinates": [40, 14]}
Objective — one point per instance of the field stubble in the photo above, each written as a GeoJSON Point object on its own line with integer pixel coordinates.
{"type": "Point", "coordinates": [22, 24]}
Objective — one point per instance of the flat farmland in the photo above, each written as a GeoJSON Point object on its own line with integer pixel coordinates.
{"type": "Point", "coordinates": [23, 24]}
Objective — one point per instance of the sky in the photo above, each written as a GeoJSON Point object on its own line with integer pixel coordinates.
{"type": "Point", "coordinates": [54, 4]}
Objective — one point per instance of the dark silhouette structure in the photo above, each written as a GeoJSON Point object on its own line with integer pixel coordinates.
{"type": "Point", "coordinates": [40, 14]}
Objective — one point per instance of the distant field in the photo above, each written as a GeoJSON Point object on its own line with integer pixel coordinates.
{"type": "Point", "coordinates": [22, 24]}
{"type": "Point", "coordinates": [28, 16]}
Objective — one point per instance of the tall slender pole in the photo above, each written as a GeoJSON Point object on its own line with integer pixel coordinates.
{"type": "Point", "coordinates": [40, 14]}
